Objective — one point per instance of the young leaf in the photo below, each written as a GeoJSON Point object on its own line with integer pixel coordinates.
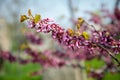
{"type": "Point", "coordinates": [71, 32]}
{"type": "Point", "coordinates": [29, 12]}
{"type": "Point", "coordinates": [80, 21]}
{"type": "Point", "coordinates": [85, 35]}
{"type": "Point", "coordinates": [37, 18]}
{"type": "Point", "coordinates": [23, 18]}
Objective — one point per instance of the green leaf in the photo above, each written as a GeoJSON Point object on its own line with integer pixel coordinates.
{"type": "Point", "coordinates": [37, 18]}
{"type": "Point", "coordinates": [85, 35]}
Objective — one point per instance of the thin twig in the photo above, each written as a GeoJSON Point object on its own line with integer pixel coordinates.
{"type": "Point", "coordinates": [109, 53]}
{"type": "Point", "coordinates": [117, 3]}
{"type": "Point", "coordinates": [72, 15]}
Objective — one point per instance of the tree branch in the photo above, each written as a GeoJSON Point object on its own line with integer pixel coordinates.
{"type": "Point", "coordinates": [110, 53]}
{"type": "Point", "coordinates": [117, 3]}
{"type": "Point", "coordinates": [72, 15]}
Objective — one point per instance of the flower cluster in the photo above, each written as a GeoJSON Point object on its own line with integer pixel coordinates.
{"type": "Point", "coordinates": [99, 40]}
{"type": "Point", "coordinates": [81, 45]}
{"type": "Point", "coordinates": [113, 19]}
{"type": "Point", "coordinates": [7, 56]}
{"type": "Point", "coordinates": [46, 59]}
{"type": "Point", "coordinates": [35, 39]}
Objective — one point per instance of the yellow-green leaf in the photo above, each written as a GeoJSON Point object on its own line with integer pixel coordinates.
{"type": "Point", "coordinates": [78, 26]}
{"type": "Point", "coordinates": [23, 18]}
{"type": "Point", "coordinates": [85, 35]}
{"type": "Point", "coordinates": [37, 18]}
{"type": "Point", "coordinates": [29, 12]}
{"type": "Point", "coordinates": [80, 21]}
{"type": "Point", "coordinates": [71, 32]}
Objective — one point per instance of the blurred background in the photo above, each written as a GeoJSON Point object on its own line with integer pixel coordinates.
{"type": "Point", "coordinates": [12, 31]}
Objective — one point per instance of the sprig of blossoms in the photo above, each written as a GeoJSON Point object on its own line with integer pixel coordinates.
{"type": "Point", "coordinates": [102, 41]}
